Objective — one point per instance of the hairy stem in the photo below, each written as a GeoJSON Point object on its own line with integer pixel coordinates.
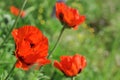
{"type": "Point", "coordinates": [72, 78]}
{"type": "Point", "coordinates": [14, 25]}
{"type": "Point", "coordinates": [62, 30]}
{"type": "Point", "coordinates": [10, 71]}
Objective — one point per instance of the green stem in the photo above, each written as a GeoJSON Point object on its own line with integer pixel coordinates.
{"type": "Point", "coordinates": [53, 75]}
{"type": "Point", "coordinates": [10, 71]}
{"type": "Point", "coordinates": [62, 30]}
{"type": "Point", "coordinates": [15, 23]}
{"type": "Point", "coordinates": [72, 78]}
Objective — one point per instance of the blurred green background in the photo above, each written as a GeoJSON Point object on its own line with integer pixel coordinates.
{"type": "Point", "coordinates": [98, 39]}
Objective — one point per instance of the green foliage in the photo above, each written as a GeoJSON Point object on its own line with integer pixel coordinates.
{"type": "Point", "coordinates": [98, 39]}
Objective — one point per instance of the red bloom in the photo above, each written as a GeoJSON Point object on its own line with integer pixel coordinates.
{"type": "Point", "coordinates": [68, 16]}
{"type": "Point", "coordinates": [16, 11]}
{"type": "Point", "coordinates": [71, 65]}
{"type": "Point", "coordinates": [31, 47]}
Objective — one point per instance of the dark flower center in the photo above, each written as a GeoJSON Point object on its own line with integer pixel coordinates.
{"type": "Point", "coordinates": [80, 70]}
{"type": "Point", "coordinates": [32, 45]}
{"type": "Point", "coordinates": [23, 61]}
{"type": "Point", "coordinates": [61, 16]}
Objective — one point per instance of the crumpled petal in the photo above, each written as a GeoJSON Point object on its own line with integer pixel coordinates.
{"type": "Point", "coordinates": [68, 16]}
{"type": "Point", "coordinates": [31, 47]}
{"type": "Point", "coordinates": [71, 65]}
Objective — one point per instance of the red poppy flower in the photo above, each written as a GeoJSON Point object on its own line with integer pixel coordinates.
{"type": "Point", "coordinates": [16, 11]}
{"type": "Point", "coordinates": [68, 16]}
{"type": "Point", "coordinates": [31, 47]}
{"type": "Point", "coordinates": [71, 65]}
